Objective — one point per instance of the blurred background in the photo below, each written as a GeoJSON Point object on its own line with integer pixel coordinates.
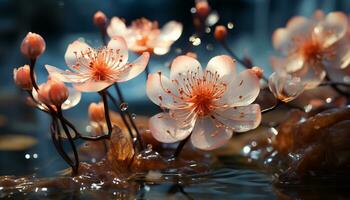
{"type": "Point", "coordinates": [25, 146]}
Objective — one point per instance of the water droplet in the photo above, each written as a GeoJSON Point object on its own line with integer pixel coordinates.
{"type": "Point", "coordinates": [123, 106]}
{"type": "Point", "coordinates": [230, 25]}
{"type": "Point", "coordinates": [207, 30]}
{"type": "Point", "coordinates": [329, 100]}
{"type": "Point", "coordinates": [133, 116]}
{"type": "Point", "coordinates": [27, 156]}
{"type": "Point", "coordinates": [35, 156]}
{"type": "Point", "coordinates": [193, 10]}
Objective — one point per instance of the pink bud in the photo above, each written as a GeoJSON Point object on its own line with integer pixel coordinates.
{"type": "Point", "coordinates": [22, 77]}
{"type": "Point", "coordinates": [203, 8]}
{"type": "Point", "coordinates": [33, 45]}
{"type": "Point", "coordinates": [100, 19]}
{"type": "Point", "coordinates": [191, 54]}
{"type": "Point", "coordinates": [220, 33]}
{"type": "Point", "coordinates": [257, 71]}
{"type": "Point", "coordinates": [96, 112]}
{"type": "Point", "coordinates": [53, 92]}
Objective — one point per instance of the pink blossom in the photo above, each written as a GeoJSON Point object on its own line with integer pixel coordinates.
{"type": "Point", "coordinates": [33, 45]}
{"type": "Point", "coordinates": [210, 103]}
{"type": "Point", "coordinates": [145, 36]}
{"type": "Point", "coordinates": [92, 70]}
{"type": "Point", "coordinates": [309, 46]}
{"type": "Point", "coordinates": [22, 77]}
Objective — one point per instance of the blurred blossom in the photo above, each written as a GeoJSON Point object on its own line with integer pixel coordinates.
{"type": "Point", "coordinates": [210, 103]}
{"type": "Point", "coordinates": [144, 35]}
{"type": "Point", "coordinates": [285, 87]}
{"type": "Point", "coordinates": [33, 45]}
{"type": "Point", "coordinates": [309, 46]}
{"type": "Point", "coordinates": [96, 112]}
{"type": "Point", "coordinates": [202, 8]}
{"type": "Point", "coordinates": [93, 70]}
{"type": "Point", "coordinates": [220, 33]}
{"type": "Point", "coordinates": [22, 77]}
{"type": "Point", "coordinates": [100, 20]}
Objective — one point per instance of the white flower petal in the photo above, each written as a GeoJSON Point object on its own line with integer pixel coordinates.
{"type": "Point", "coordinates": [73, 99]}
{"type": "Point", "coordinates": [135, 68]}
{"type": "Point", "coordinates": [331, 29]}
{"type": "Point", "coordinates": [243, 90]}
{"type": "Point", "coordinates": [91, 86]}
{"type": "Point", "coordinates": [73, 49]}
{"type": "Point", "coordinates": [183, 66]}
{"type": "Point", "coordinates": [116, 27]}
{"type": "Point", "coordinates": [165, 129]}
{"type": "Point", "coordinates": [119, 44]}
{"type": "Point", "coordinates": [207, 135]}
{"type": "Point", "coordinates": [161, 91]}
{"type": "Point", "coordinates": [224, 66]}
{"type": "Point", "coordinates": [241, 118]}
{"type": "Point", "coordinates": [285, 87]}
{"type": "Point", "coordinates": [171, 31]}
{"type": "Point", "coordinates": [64, 76]}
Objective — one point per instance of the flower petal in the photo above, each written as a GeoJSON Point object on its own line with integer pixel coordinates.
{"type": "Point", "coordinates": [207, 135]}
{"type": "Point", "coordinates": [310, 75]}
{"type": "Point", "coordinates": [241, 118]}
{"type": "Point", "coordinates": [91, 86]}
{"type": "Point", "coordinates": [165, 129]}
{"type": "Point", "coordinates": [297, 28]}
{"type": "Point", "coordinates": [134, 69]}
{"type": "Point", "coordinates": [171, 31]}
{"type": "Point", "coordinates": [285, 87]}
{"type": "Point", "coordinates": [331, 29]}
{"type": "Point", "coordinates": [73, 49]}
{"type": "Point", "coordinates": [65, 76]}
{"type": "Point", "coordinates": [116, 27]}
{"type": "Point", "coordinates": [119, 44]}
{"type": "Point", "coordinates": [183, 65]}
{"type": "Point", "coordinates": [73, 99]}
{"type": "Point", "coordinates": [160, 90]}
{"type": "Point", "coordinates": [224, 66]}
{"type": "Point", "coordinates": [243, 90]}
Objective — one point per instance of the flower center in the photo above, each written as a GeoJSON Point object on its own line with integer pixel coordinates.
{"type": "Point", "coordinates": [200, 93]}
{"type": "Point", "coordinates": [312, 51]}
{"type": "Point", "coordinates": [100, 70]}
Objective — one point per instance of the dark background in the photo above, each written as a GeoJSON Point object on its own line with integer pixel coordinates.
{"type": "Point", "coordinates": [61, 22]}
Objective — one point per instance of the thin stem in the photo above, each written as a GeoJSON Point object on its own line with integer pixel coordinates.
{"type": "Point", "coordinates": [233, 55]}
{"type": "Point", "coordinates": [180, 147]}
{"type": "Point", "coordinates": [32, 74]}
{"type": "Point", "coordinates": [103, 94]}
{"type": "Point", "coordinates": [70, 139]}
{"type": "Point", "coordinates": [146, 72]}
{"type": "Point", "coordinates": [133, 124]}
{"type": "Point", "coordinates": [114, 101]}
{"type": "Point", "coordinates": [58, 145]}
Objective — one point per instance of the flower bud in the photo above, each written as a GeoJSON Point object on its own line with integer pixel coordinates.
{"type": "Point", "coordinates": [191, 54]}
{"type": "Point", "coordinates": [257, 71]}
{"type": "Point", "coordinates": [285, 87]}
{"type": "Point", "coordinates": [96, 112]}
{"type": "Point", "coordinates": [203, 8]}
{"type": "Point", "coordinates": [53, 92]}
{"type": "Point", "coordinates": [22, 77]}
{"type": "Point", "coordinates": [33, 45]}
{"type": "Point", "coordinates": [100, 19]}
{"type": "Point", "coordinates": [220, 33]}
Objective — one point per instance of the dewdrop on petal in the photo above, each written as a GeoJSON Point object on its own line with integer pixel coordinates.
{"type": "Point", "coordinates": [100, 19]}
{"type": "Point", "coordinates": [285, 87]}
{"type": "Point", "coordinates": [33, 45]}
{"type": "Point", "coordinates": [220, 33]}
{"type": "Point", "coordinates": [96, 112]}
{"type": "Point", "coordinates": [22, 77]}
